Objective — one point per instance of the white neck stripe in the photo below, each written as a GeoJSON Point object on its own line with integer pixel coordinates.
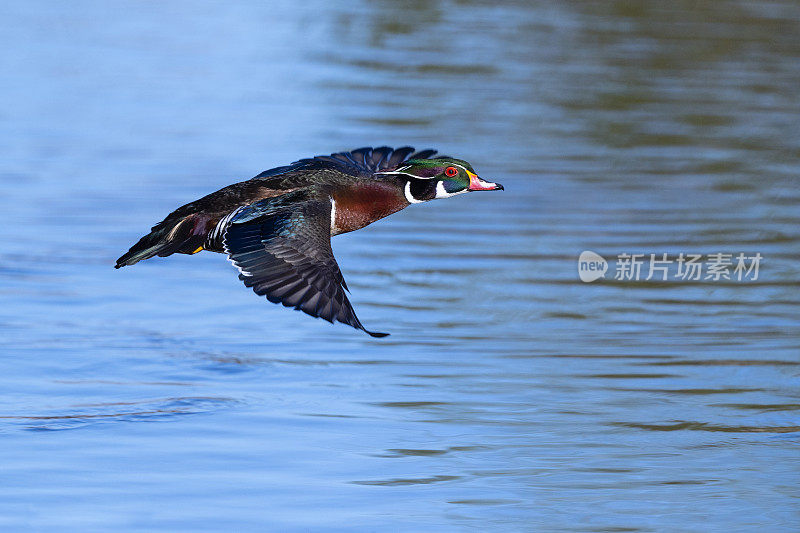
{"type": "Point", "coordinates": [409, 196]}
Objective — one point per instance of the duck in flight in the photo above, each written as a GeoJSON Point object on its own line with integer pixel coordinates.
{"type": "Point", "coordinates": [276, 228]}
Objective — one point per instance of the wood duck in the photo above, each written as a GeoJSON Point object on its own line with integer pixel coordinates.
{"type": "Point", "coordinates": [276, 228]}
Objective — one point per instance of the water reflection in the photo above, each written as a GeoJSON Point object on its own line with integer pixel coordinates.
{"type": "Point", "coordinates": [76, 416]}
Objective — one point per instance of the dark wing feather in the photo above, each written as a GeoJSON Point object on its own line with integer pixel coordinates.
{"type": "Point", "coordinates": [396, 158]}
{"type": "Point", "coordinates": [379, 156]}
{"type": "Point", "coordinates": [362, 162]}
{"type": "Point", "coordinates": [284, 252]}
{"type": "Point", "coordinates": [362, 156]}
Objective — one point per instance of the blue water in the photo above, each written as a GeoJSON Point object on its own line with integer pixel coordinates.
{"type": "Point", "coordinates": [511, 396]}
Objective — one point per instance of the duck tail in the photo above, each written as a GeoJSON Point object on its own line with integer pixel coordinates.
{"type": "Point", "coordinates": [185, 235]}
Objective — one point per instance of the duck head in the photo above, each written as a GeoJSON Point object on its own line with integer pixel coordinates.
{"type": "Point", "coordinates": [429, 179]}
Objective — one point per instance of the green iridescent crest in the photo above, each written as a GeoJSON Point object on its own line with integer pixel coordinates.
{"type": "Point", "coordinates": [432, 168]}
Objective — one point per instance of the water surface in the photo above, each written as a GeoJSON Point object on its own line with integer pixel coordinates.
{"type": "Point", "coordinates": [511, 396]}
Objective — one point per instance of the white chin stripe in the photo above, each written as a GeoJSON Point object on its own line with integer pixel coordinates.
{"type": "Point", "coordinates": [442, 193]}
{"type": "Point", "coordinates": [409, 197]}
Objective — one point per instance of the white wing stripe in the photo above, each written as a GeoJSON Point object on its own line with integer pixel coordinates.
{"type": "Point", "coordinates": [219, 229]}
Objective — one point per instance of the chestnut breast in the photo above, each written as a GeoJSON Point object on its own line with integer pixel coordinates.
{"type": "Point", "coordinates": [363, 204]}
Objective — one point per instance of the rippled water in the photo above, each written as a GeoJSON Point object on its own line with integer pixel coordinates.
{"type": "Point", "coordinates": [510, 396]}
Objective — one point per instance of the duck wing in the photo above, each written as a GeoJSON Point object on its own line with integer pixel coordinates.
{"type": "Point", "coordinates": [282, 248]}
{"type": "Point", "coordinates": [362, 162]}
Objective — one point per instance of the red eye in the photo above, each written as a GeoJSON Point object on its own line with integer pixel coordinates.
{"type": "Point", "coordinates": [450, 171]}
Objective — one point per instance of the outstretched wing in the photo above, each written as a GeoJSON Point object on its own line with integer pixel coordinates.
{"type": "Point", "coordinates": [361, 162]}
{"type": "Point", "coordinates": [283, 251]}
